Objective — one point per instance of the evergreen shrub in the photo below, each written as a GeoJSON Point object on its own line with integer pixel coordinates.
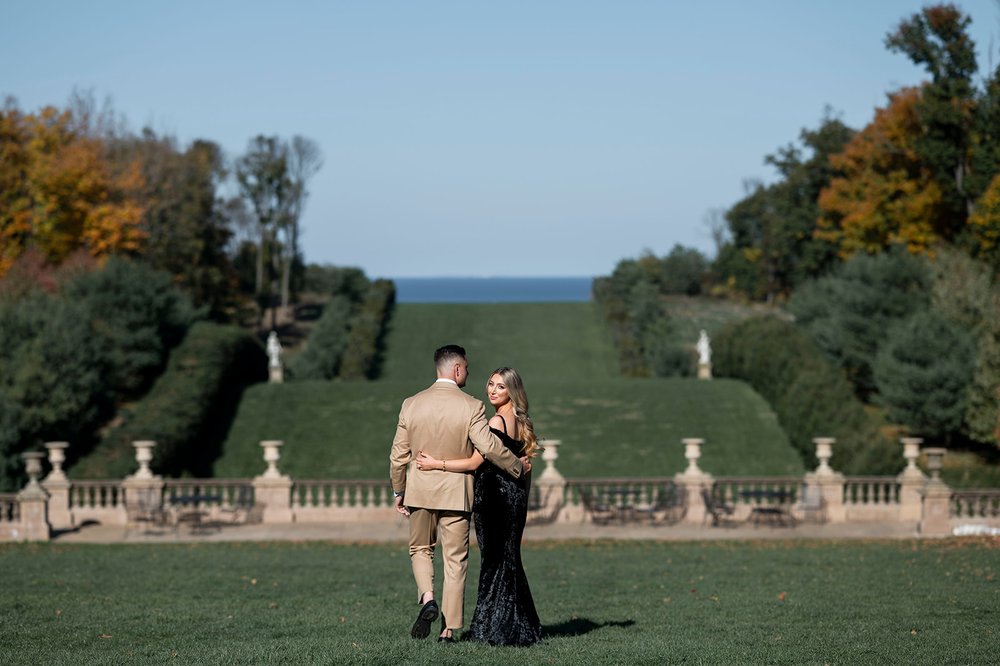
{"type": "Point", "coordinates": [189, 408]}
{"type": "Point", "coordinates": [923, 372]}
{"type": "Point", "coordinates": [139, 315]}
{"type": "Point", "coordinates": [849, 311]}
{"type": "Point", "coordinates": [54, 378]}
{"type": "Point", "coordinates": [811, 397]}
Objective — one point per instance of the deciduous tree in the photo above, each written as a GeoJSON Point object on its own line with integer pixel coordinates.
{"type": "Point", "coordinates": [937, 39]}
{"type": "Point", "coordinates": [885, 194]}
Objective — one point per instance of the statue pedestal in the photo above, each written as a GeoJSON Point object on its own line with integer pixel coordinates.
{"type": "Point", "coordinates": [704, 371]}
{"type": "Point", "coordinates": [276, 375]}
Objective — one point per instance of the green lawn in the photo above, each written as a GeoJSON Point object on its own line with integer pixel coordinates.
{"type": "Point", "coordinates": [611, 427]}
{"type": "Point", "coordinates": [907, 602]}
{"type": "Point", "coordinates": [542, 340]}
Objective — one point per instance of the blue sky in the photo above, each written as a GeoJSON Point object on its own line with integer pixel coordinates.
{"type": "Point", "coordinates": [508, 138]}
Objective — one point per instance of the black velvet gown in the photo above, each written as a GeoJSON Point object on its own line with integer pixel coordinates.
{"type": "Point", "coordinates": [505, 613]}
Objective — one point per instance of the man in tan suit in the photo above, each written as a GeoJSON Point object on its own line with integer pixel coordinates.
{"type": "Point", "coordinates": [448, 424]}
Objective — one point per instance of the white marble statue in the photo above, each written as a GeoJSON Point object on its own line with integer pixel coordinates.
{"type": "Point", "coordinates": [273, 350]}
{"type": "Point", "coordinates": [704, 347]}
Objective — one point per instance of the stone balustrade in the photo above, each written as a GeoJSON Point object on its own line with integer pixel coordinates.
{"type": "Point", "coordinates": [59, 503]}
{"type": "Point", "coordinates": [98, 501]}
{"type": "Point", "coordinates": [872, 498]}
{"type": "Point", "coordinates": [350, 501]}
{"type": "Point", "coordinates": [976, 506]}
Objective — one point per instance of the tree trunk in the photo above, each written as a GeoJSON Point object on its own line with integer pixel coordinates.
{"type": "Point", "coordinates": [286, 275]}
{"type": "Point", "coordinates": [259, 278]}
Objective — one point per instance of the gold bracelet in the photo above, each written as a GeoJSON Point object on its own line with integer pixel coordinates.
{"type": "Point", "coordinates": [444, 465]}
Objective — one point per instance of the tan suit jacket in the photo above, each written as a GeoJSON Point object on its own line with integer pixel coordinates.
{"type": "Point", "coordinates": [447, 424]}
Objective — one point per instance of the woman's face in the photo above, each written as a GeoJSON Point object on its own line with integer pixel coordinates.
{"type": "Point", "coordinates": [496, 390]}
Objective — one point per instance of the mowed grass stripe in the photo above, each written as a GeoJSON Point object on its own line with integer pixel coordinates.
{"type": "Point", "coordinates": [541, 340]}
{"type": "Point", "coordinates": [914, 602]}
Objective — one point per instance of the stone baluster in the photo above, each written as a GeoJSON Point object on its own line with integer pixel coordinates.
{"type": "Point", "coordinates": [935, 514]}
{"type": "Point", "coordinates": [272, 489]}
{"type": "Point", "coordinates": [58, 487]}
{"type": "Point", "coordinates": [143, 489]}
{"type": "Point", "coordinates": [34, 501]}
{"type": "Point", "coordinates": [826, 483]}
{"type": "Point", "coordinates": [911, 482]}
{"type": "Point", "coordinates": [551, 483]}
{"type": "Point", "coordinates": [692, 480]}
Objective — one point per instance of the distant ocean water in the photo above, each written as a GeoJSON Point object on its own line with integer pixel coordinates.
{"type": "Point", "coordinates": [492, 290]}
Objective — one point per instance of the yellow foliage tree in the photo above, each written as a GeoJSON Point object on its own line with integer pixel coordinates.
{"type": "Point", "coordinates": [15, 200]}
{"type": "Point", "coordinates": [884, 195]}
{"type": "Point", "coordinates": [66, 193]}
{"type": "Point", "coordinates": [984, 225]}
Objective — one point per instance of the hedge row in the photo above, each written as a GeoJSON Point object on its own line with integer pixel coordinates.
{"type": "Point", "coordinates": [347, 341]}
{"type": "Point", "coordinates": [363, 355]}
{"type": "Point", "coordinates": [188, 410]}
{"type": "Point", "coordinates": [811, 397]}
{"type": "Point", "coordinates": [326, 344]}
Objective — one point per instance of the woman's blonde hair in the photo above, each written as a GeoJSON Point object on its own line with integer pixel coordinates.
{"type": "Point", "coordinates": [519, 398]}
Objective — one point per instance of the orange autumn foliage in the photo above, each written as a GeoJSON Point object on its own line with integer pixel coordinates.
{"type": "Point", "coordinates": [884, 196]}
{"type": "Point", "coordinates": [60, 191]}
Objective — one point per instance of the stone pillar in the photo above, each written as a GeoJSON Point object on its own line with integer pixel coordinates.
{"type": "Point", "coordinates": [57, 486]}
{"type": "Point", "coordinates": [34, 501]}
{"type": "Point", "coordinates": [143, 489]}
{"type": "Point", "coordinates": [826, 483]}
{"type": "Point", "coordinates": [551, 484]}
{"type": "Point", "coordinates": [935, 516]}
{"type": "Point", "coordinates": [692, 480]}
{"type": "Point", "coordinates": [911, 482]}
{"type": "Point", "coordinates": [272, 489]}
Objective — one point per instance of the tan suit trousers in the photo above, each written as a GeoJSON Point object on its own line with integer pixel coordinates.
{"type": "Point", "coordinates": [427, 526]}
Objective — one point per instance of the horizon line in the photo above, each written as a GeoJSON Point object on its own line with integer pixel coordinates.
{"type": "Point", "coordinates": [489, 277]}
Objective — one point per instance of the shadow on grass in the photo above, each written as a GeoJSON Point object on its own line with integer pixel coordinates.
{"type": "Point", "coordinates": [579, 626]}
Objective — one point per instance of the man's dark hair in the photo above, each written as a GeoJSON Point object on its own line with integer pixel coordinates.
{"type": "Point", "coordinates": [447, 354]}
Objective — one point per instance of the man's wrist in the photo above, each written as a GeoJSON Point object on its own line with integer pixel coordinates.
{"type": "Point", "coordinates": [397, 493]}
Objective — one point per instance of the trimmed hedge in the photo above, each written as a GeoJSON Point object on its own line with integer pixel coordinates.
{"type": "Point", "coordinates": [348, 340]}
{"type": "Point", "coordinates": [188, 410]}
{"type": "Point", "coordinates": [811, 397]}
{"type": "Point", "coordinates": [363, 355]}
{"type": "Point", "coordinates": [326, 344]}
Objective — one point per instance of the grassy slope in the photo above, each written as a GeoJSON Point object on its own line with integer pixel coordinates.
{"type": "Point", "coordinates": [541, 340]}
{"type": "Point", "coordinates": [608, 425]}
{"type": "Point", "coordinates": [913, 602]}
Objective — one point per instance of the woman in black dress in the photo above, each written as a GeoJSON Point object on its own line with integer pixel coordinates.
{"type": "Point", "coordinates": [505, 612]}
